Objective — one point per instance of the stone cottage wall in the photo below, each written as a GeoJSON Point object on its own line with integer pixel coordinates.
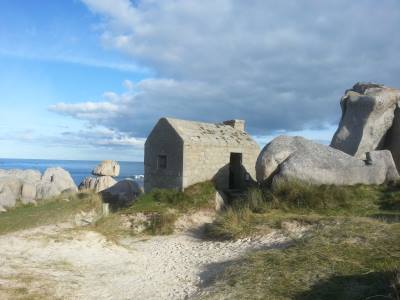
{"type": "Point", "coordinates": [211, 162]}
{"type": "Point", "coordinates": [163, 140]}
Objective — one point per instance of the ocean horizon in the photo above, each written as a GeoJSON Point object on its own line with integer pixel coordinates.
{"type": "Point", "coordinates": [79, 169]}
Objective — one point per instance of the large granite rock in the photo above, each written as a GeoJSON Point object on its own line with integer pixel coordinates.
{"type": "Point", "coordinates": [287, 158]}
{"type": "Point", "coordinates": [18, 185]}
{"type": "Point", "coordinates": [97, 184]}
{"type": "Point", "coordinates": [28, 193]}
{"type": "Point", "coordinates": [367, 115]}
{"type": "Point", "coordinates": [10, 191]}
{"type": "Point", "coordinates": [29, 185]}
{"type": "Point", "coordinates": [392, 140]}
{"type": "Point", "coordinates": [123, 192]}
{"type": "Point", "coordinates": [107, 168]}
{"type": "Point", "coordinates": [24, 175]}
{"type": "Point", "coordinates": [53, 182]}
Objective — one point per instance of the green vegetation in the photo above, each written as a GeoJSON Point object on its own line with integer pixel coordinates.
{"type": "Point", "coordinates": [351, 251]}
{"type": "Point", "coordinates": [304, 203]}
{"type": "Point", "coordinates": [200, 195]}
{"type": "Point", "coordinates": [162, 206]}
{"type": "Point", "coordinates": [341, 259]}
{"type": "Point", "coordinates": [162, 224]}
{"type": "Point", "coordinates": [50, 211]}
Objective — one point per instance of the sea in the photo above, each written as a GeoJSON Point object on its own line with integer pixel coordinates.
{"type": "Point", "coordinates": [78, 169]}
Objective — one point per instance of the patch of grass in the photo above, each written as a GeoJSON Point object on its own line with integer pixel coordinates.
{"type": "Point", "coordinates": [390, 199]}
{"type": "Point", "coordinates": [22, 293]}
{"type": "Point", "coordinates": [162, 224]}
{"type": "Point", "coordinates": [233, 223]}
{"type": "Point", "coordinates": [324, 199]}
{"type": "Point", "coordinates": [343, 259]}
{"type": "Point", "coordinates": [163, 208]}
{"type": "Point", "coordinates": [50, 211]}
{"type": "Point", "coordinates": [19, 287]}
{"type": "Point", "coordinates": [197, 196]}
{"type": "Point", "coordinates": [111, 227]}
{"type": "Point", "coordinates": [300, 201]}
{"type": "Point", "coordinates": [351, 252]}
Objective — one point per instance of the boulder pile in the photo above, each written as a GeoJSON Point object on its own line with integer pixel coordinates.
{"type": "Point", "coordinates": [107, 168]}
{"type": "Point", "coordinates": [117, 193]}
{"type": "Point", "coordinates": [103, 176]}
{"type": "Point", "coordinates": [29, 186]}
{"type": "Point", "coordinates": [365, 148]}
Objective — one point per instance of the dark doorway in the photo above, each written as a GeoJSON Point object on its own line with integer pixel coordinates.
{"type": "Point", "coordinates": [235, 171]}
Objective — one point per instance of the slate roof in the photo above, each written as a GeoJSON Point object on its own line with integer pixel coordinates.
{"type": "Point", "coordinates": [217, 134]}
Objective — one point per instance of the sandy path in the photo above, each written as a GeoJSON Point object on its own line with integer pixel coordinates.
{"type": "Point", "coordinates": [56, 262]}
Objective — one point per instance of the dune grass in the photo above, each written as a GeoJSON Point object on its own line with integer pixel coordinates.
{"type": "Point", "coordinates": [352, 251]}
{"type": "Point", "coordinates": [200, 195]}
{"type": "Point", "coordinates": [305, 203]}
{"type": "Point", "coordinates": [162, 206]}
{"type": "Point", "coordinates": [50, 211]}
{"type": "Point", "coordinates": [342, 259]}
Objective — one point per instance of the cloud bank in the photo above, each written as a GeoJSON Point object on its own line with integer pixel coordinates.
{"type": "Point", "coordinates": [280, 65]}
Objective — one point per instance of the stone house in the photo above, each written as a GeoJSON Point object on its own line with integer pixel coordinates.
{"type": "Point", "coordinates": [180, 153]}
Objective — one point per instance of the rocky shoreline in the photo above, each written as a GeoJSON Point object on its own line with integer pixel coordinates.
{"type": "Point", "coordinates": [31, 186]}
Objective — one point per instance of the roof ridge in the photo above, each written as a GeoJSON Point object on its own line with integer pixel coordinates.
{"type": "Point", "coordinates": [210, 133]}
{"type": "Point", "coordinates": [192, 121]}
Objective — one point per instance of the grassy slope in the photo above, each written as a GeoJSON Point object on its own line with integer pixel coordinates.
{"type": "Point", "coordinates": [51, 211]}
{"type": "Point", "coordinates": [163, 207]}
{"type": "Point", "coordinates": [197, 196]}
{"type": "Point", "coordinates": [352, 252]}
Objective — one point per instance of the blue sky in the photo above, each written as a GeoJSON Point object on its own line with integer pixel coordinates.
{"type": "Point", "coordinates": [88, 79]}
{"type": "Point", "coordinates": [51, 53]}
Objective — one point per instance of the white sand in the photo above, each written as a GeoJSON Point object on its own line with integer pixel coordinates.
{"type": "Point", "coordinates": [57, 262]}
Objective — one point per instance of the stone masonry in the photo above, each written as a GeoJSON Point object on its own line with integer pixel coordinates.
{"type": "Point", "coordinates": [180, 153]}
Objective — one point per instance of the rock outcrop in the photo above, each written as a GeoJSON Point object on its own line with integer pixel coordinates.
{"type": "Point", "coordinates": [103, 179]}
{"type": "Point", "coordinates": [392, 140]}
{"type": "Point", "coordinates": [288, 158]}
{"type": "Point", "coordinates": [97, 184]}
{"type": "Point", "coordinates": [28, 186]}
{"type": "Point", "coordinates": [368, 114]}
{"type": "Point", "coordinates": [124, 192]}
{"type": "Point", "coordinates": [10, 190]}
{"type": "Point", "coordinates": [55, 181]}
{"type": "Point", "coordinates": [107, 168]}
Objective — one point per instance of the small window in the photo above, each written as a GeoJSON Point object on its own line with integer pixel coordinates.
{"type": "Point", "coordinates": [162, 162]}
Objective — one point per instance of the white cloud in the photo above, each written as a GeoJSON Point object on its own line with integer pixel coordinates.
{"type": "Point", "coordinates": [88, 110]}
{"type": "Point", "coordinates": [128, 84]}
{"type": "Point", "coordinates": [101, 137]}
{"type": "Point", "coordinates": [281, 65]}
{"type": "Point", "coordinates": [91, 137]}
{"type": "Point", "coordinates": [84, 61]}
